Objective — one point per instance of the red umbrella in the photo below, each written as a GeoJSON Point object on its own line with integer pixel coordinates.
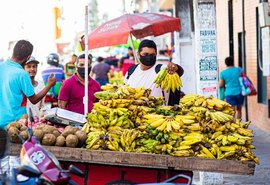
{"type": "Point", "coordinates": [117, 31]}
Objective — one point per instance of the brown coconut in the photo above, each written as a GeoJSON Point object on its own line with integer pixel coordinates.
{"type": "Point", "coordinates": [81, 136]}
{"type": "Point", "coordinates": [48, 129]}
{"type": "Point", "coordinates": [60, 141]}
{"type": "Point", "coordinates": [38, 133]}
{"type": "Point", "coordinates": [14, 124]}
{"type": "Point", "coordinates": [68, 130]}
{"type": "Point", "coordinates": [72, 140]}
{"type": "Point", "coordinates": [13, 136]}
{"type": "Point", "coordinates": [24, 134]}
{"type": "Point", "coordinates": [48, 139]}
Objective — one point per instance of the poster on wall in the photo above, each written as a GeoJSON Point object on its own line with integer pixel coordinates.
{"type": "Point", "coordinates": [207, 66]}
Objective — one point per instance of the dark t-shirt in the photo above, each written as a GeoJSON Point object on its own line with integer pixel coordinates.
{"type": "Point", "coordinates": [101, 71]}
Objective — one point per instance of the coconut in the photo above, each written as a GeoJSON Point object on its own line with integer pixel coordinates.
{"type": "Point", "coordinates": [56, 133]}
{"type": "Point", "coordinates": [24, 134]}
{"type": "Point", "coordinates": [13, 136]}
{"type": "Point", "coordinates": [14, 124]}
{"type": "Point", "coordinates": [23, 127]}
{"type": "Point", "coordinates": [72, 141]}
{"type": "Point", "coordinates": [81, 136]}
{"type": "Point", "coordinates": [60, 141]}
{"type": "Point", "coordinates": [48, 139]}
{"type": "Point", "coordinates": [68, 130]}
{"type": "Point", "coordinates": [48, 129]}
{"type": "Point", "coordinates": [38, 133]}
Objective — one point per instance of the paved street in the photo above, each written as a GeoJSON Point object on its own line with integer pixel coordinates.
{"type": "Point", "coordinates": [262, 171]}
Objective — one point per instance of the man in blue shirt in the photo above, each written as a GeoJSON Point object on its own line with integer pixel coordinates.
{"type": "Point", "coordinates": [16, 85]}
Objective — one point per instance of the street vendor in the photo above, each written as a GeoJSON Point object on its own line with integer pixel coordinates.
{"type": "Point", "coordinates": [16, 85]}
{"type": "Point", "coordinates": [72, 91]}
{"type": "Point", "coordinates": [145, 72]}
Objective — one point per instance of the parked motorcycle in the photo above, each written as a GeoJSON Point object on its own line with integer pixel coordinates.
{"type": "Point", "coordinates": [33, 154]}
{"type": "Point", "coordinates": [38, 165]}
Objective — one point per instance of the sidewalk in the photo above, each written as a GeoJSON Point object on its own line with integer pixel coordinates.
{"type": "Point", "coordinates": [261, 141]}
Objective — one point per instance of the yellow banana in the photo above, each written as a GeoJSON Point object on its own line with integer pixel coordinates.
{"type": "Point", "coordinates": [162, 126]}
{"type": "Point", "coordinates": [216, 134]}
{"type": "Point", "coordinates": [190, 142]}
{"type": "Point", "coordinates": [157, 123]}
{"type": "Point", "coordinates": [151, 116]}
{"type": "Point", "coordinates": [219, 138]}
{"type": "Point", "coordinates": [241, 141]}
{"type": "Point", "coordinates": [175, 125]}
{"type": "Point", "coordinates": [169, 126]}
{"type": "Point", "coordinates": [225, 141]}
{"type": "Point", "coordinates": [226, 154]}
{"type": "Point", "coordinates": [183, 147]}
{"type": "Point", "coordinates": [228, 148]}
{"type": "Point", "coordinates": [232, 138]}
{"type": "Point", "coordinates": [245, 132]}
{"type": "Point", "coordinates": [199, 101]}
{"type": "Point", "coordinates": [194, 127]}
{"type": "Point", "coordinates": [181, 153]}
{"type": "Point", "coordinates": [207, 152]}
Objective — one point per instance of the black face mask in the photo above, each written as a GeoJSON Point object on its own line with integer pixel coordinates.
{"type": "Point", "coordinates": [148, 60]}
{"type": "Point", "coordinates": [81, 72]}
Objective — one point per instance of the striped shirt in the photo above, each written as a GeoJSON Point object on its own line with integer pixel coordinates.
{"type": "Point", "coordinates": [58, 71]}
{"type": "Point", "coordinates": [60, 76]}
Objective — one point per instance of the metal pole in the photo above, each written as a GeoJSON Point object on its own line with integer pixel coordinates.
{"type": "Point", "coordinates": [244, 51]}
{"type": "Point", "coordinates": [133, 48]}
{"type": "Point", "coordinates": [85, 101]}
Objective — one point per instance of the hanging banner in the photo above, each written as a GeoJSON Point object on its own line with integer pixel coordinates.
{"type": "Point", "coordinates": [206, 52]}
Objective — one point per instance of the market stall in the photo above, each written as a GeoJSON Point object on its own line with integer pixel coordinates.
{"type": "Point", "coordinates": [129, 135]}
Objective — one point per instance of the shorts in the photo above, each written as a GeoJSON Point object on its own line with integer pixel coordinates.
{"type": "Point", "coordinates": [235, 100]}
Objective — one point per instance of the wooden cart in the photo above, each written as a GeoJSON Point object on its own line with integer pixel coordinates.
{"type": "Point", "coordinates": [103, 166]}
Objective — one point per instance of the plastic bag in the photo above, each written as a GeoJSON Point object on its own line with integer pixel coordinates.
{"type": "Point", "coordinates": [248, 88]}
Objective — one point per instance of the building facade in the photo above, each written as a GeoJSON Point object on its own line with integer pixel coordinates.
{"type": "Point", "coordinates": [241, 35]}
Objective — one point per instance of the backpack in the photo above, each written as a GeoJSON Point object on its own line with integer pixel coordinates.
{"type": "Point", "coordinates": [174, 98]}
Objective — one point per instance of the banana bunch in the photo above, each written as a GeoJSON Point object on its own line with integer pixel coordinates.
{"type": "Point", "coordinates": [220, 116]}
{"type": "Point", "coordinates": [113, 139]}
{"type": "Point", "coordinates": [86, 128]}
{"type": "Point", "coordinates": [192, 138]}
{"type": "Point", "coordinates": [128, 138]}
{"type": "Point", "coordinates": [104, 95]}
{"type": "Point", "coordinates": [188, 100]}
{"type": "Point", "coordinates": [117, 78]}
{"type": "Point", "coordinates": [113, 103]}
{"type": "Point", "coordinates": [164, 148]}
{"type": "Point", "coordinates": [162, 123]}
{"type": "Point", "coordinates": [112, 117]}
{"type": "Point", "coordinates": [93, 140]}
{"type": "Point", "coordinates": [121, 92]}
{"type": "Point", "coordinates": [167, 81]}
{"type": "Point", "coordinates": [146, 145]}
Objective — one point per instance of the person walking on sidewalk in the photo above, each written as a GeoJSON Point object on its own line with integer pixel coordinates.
{"type": "Point", "coordinates": [229, 78]}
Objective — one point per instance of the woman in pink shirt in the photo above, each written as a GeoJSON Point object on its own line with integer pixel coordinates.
{"type": "Point", "coordinates": [72, 90]}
